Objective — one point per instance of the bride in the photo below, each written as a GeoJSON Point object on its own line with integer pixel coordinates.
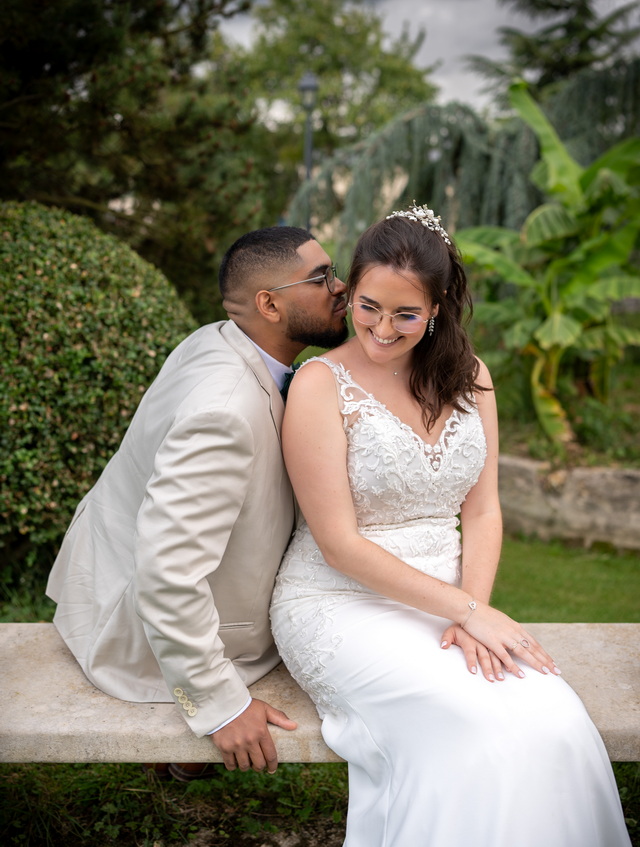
{"type": "Point", "coordinates": [388, 439]}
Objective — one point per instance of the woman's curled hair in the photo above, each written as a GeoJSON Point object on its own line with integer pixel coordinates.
{"type": "Point", "coordinates": [444, 369]}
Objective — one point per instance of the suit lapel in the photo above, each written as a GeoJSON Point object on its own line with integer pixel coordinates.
{"type": "Point", "coordinates": [236, 339]}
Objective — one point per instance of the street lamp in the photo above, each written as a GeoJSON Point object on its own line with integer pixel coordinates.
{"type": "Point", "coordinates": [308, 88]}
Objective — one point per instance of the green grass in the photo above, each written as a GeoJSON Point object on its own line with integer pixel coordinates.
{"type": "Point", "coordinates": [553, 582]}
{"type": "Point", "coordinates": [116, 804]}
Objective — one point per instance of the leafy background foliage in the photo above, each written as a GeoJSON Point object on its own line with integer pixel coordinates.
{"type": "Point", "coordinates": [85, 326]}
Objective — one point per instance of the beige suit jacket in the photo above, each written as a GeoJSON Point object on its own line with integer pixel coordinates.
{"type": "Point", "coordinates": [164, 577]}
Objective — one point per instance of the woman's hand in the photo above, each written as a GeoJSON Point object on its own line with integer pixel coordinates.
{"type": "Point", "coordinates": [506, 638]}
{"type": "Point", "coordinates": [475, 653]}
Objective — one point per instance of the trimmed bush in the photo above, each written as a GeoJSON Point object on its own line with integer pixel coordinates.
{"type": "Point", "coordinates": [85, 326]}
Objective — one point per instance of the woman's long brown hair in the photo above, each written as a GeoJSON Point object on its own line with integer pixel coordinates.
{"type": "Point", "coordinates": [444, 369]}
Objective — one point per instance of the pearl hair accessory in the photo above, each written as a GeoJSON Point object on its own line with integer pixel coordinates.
{"type": "Point", "coordinates": [424, 216]}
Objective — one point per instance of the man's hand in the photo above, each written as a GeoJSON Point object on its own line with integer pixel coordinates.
{"type": "Point", "coordinates": [246, 742]}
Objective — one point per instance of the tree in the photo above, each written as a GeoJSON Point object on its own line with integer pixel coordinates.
{"type": "Point", "coordinates": [363, 81]}
{"type": "Point", "coordinates": [101, 113]}
{"type": "Point", "coordinates": [572, 259]}
{"type": "Point", "coordinates": [472, 171]}
{"type": "Point", "coordinates": [575, 39]}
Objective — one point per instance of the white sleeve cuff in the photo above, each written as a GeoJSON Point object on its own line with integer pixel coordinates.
{"type": "Point", "coordinates": [233, 717]}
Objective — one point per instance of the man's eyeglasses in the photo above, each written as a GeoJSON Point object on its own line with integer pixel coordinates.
{"type": "Point", "coordinates": [328, 277]}
{"type": "Point", "coordinates": [405, 322]}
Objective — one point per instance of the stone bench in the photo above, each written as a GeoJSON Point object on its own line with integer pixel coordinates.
{"type": "Point", "coordinates": [49, 711]}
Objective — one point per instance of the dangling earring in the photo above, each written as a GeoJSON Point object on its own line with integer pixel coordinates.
{"type": "Point", "coordinates": [432, 324]}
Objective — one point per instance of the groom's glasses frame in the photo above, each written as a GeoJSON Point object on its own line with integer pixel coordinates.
{"type": "Point", "coordinates": [328, 278]}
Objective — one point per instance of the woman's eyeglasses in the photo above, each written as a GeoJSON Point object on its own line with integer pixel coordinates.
{"type": "Point", "coordinates": [405, 322]}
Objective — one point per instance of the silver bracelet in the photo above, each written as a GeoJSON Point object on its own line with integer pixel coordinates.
{"type": "Point", "coordinates": [472, 607]}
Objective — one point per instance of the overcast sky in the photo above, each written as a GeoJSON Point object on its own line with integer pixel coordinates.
{"type": "Point", "coordinates": [454, 28]}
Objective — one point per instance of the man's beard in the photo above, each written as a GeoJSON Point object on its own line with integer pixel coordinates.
{"type": "Point", "coordinates": [312, 332]}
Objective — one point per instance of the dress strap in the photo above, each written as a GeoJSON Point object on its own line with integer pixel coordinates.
{"type": "Point", "coordinates": [352, 397]}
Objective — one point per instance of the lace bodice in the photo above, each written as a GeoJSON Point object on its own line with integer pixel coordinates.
{"type": "Point", "coordinates": [395, 476]}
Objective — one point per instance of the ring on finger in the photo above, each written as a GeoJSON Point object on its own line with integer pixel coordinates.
{"type": "Point", "coordinates": [514, 645]}
{"type": "Point", "coordinates": [525, 643]}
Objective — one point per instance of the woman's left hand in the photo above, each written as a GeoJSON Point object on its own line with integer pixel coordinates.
{"type": "Point", "coordinates": [475, 653]}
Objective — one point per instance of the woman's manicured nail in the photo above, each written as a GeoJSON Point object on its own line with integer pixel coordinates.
{"type": "Point", "coordinates": [521, 674]}
{"type": "Point", "coordinates": [545, 669]}
{"type": "Point", "coordinates": [444, 643]}
{"type": "Point", "coordinates": [500, 676]}
{"type": "Point", "coordinates": [491, 678]}
{"type": "Point", "coordinates": [473, 669]}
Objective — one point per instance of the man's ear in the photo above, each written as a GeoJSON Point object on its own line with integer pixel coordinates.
{"type": "Point", "coordinates": [268, 306]}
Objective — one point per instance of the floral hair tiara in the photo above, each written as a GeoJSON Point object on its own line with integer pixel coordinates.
{"type": "Point", "coordinates": [424, 216]}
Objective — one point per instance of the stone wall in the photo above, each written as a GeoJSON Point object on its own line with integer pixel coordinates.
{"type": "Point", "coordinates": [587, 505]}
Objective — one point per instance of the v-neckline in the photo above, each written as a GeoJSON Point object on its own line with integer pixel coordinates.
{"type": "Point", "coordinates": [427, 445]}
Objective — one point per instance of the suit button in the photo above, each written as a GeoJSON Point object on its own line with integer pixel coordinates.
{"type": "Point", "coordinates": [178, 691]}
{"type": "Point", "coordinates": [192, 712]}
{"type": "Point", "coordinates": [182, 698]}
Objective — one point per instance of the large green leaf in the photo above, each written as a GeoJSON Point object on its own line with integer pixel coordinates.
{"type": "Point", "coordinates": [486, 257]}
{"type": "Point", "coordinates": [549, 222]}
{"type": "Point", "coordinates": [496, 313]}
{"type": "Point", "coordinates": [588, 310]}
{"type": "Point", "coordinates": [551, 416]}
{"type": "Point", "coordinates": [559, 330]}
{"type": "Point", "coordinates": [490, 236]}
{"type": "Point", "coordinates": [599, 337]}
{"type": "Point", "coordinates": [608, 289]}
{"type": "Point", "coordinates": [605, 252]}
{"type": "Point", "coordinates": [622, 159]}
{"type": "Point", "coordinates": [562, 176]}
{"type": "Point", "coordinates": [606, 188]}
{"type": "Point", "coordinates": [520, 333]}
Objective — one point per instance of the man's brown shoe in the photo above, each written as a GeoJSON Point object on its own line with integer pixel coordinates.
{"type": "Point", "coordinates": [191, 771]}
{"type": "Point", "coordinates": [157, 770]}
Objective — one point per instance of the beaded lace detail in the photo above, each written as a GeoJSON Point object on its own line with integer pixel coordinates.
{"type": "Point", "coordinates": [407, 495]}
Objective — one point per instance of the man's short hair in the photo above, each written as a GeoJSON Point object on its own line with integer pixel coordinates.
{"type": "Point", "coordinates": [259, 251]}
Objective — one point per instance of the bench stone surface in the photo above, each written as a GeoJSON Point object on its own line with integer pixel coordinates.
{"type": "Point", "coordinates": [50, 712]}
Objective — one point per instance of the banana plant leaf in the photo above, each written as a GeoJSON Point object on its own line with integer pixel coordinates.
{"type": "Point", "coordinates": [548, 223]}
{"type": "Point", "coordinates": [559, 330]}
{"type": "Point", "coordinates": [486, 257]}
{"type": "Point", "coordinates": [561, 173]}
{"type": "Point", "coordinates": [622, 159]}
{"type": "Point", "coordinates": [550, 413]}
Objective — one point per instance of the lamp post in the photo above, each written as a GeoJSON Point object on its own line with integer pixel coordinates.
{"type": "Point", "coordinates": [308, 88]}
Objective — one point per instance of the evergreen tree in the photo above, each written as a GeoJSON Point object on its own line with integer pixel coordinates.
{"type": "Point", "coordinates": [140, 114]}
{"type": "Point", "coordinates": [101, 113]}
{"type": "Point", "coordinates": [574, 39]}
{"type": "Point", "coordinates": [472, 172]}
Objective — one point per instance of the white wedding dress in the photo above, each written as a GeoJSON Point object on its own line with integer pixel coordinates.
{"type": "Point", "coordinates": [437, 757]}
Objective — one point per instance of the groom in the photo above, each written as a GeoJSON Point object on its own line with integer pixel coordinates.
{"type": "Point", "coordinates": [164, 577]}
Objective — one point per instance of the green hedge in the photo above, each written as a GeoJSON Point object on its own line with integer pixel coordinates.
{"type": "Point", "coordinates": [85, 326]}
